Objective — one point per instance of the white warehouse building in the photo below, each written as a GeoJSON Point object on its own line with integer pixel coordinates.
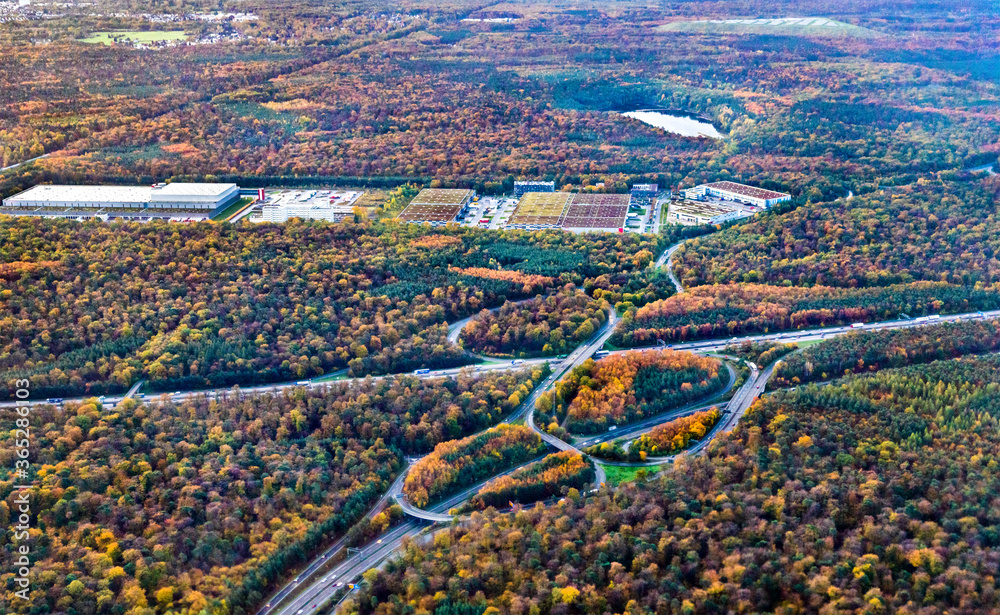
{"type": "Point", "coordinates": [61, 200]}
{"type": "Point", "coordinates": [693, 213]}
{"type": "Point", "coordinates": [741, 193]}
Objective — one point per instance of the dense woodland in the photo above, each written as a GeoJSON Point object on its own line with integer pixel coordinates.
{"type": "Point", "coordinates": [665, 439]}
{"type": "Point", "coordinates": [733, 309]}
{"type": "Point", "coordinates": [179, 506]}
{"type": "Point", "coordinates": [941, 231]}
{"type": "Point", "coordinates": [677, 435]}
{"type": "Point", "coordinates": [872, 495]}
{"type": "Point", "coordinates": [91, 308]}
{"type": "Point", "coordinates": [542, 326]}
{"type": "Point", "coordinates": [869, 351]}
{"type": "Point", "coordinates": [627, 387]}
{"type": "Point", "coordinates": [464, 462]}
{"type": "Point", "coordinates": [387, 93]}
{"type": "Point", "coordinates": [551, 476]}
{"type": "Point", "coordinates": [875, 495]}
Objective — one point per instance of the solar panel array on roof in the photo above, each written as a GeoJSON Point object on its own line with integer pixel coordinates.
{"type": "Point", "coordinates": [597, 211]}
{"type": "Point", "coordinates": [436, 205]}
{"type": "Point", "coordinates": [744, 190]}
{"type": "Point", "coordinates": [540, 209]}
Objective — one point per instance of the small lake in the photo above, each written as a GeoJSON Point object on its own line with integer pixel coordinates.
{"type": "Point", "coordinates": [683, 124]}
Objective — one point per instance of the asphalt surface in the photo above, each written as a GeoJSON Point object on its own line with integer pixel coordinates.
{"type": "Point", "coordinates": [527, 408]}
{"type": "Point", "coordinates": [455, 328]}
{"type": "Point", "coordinates": [317, 591]}
{"type": "Point", "coordinates": [636, 429]}
{"type": "Point", "coordinates": [666, 259]}
{"type": "Point", "coordinates": [735, 409]}
{"type": "Point", "coordinates": [311, 593]}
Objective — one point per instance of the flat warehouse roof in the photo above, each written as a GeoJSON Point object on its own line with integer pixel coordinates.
{"type": "Point", "coordinates": [745, 190]}
{"type": "Point", "coordinates": [595, 223]}
{"type": "Point", "coordinates": [584, 198]}
{"type": "Point", "coordinates": [438, 196]}
{"type": "Point", "coordinates": [87, 194]}
{"type": "Point", "coordinates": [435, 205]}
{"type": "Point", "coordinates": [700, 209]}
{"type": "Point", "coordinates": [193, 189]}
{"type": "Point", "coordinates": [541, 208]}
{"type": "Point", "coordinates": [421, 212]}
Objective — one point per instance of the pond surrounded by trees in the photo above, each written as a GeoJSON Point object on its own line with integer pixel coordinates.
{"type": "Point", "coordinates": [677, 122]}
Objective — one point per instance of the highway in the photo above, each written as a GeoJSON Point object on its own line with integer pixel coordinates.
{"type": "Point", "coordinates": [23, 162]}
{"type": "Point", "coordinates": [328, 554]}
{"type": "Point", "coordinates": [221, 393]}
{"type": "Point", "coordinates": [735, 409]}
{"type": "Point", "coordinates": [527, 408]}
{"type": "Point", "coordinates": [636, 429]}
{"type": "Point", "coordinates": [325, 586]}
{"type": "Point", "coordinates": [574, 358]}
{"type": "Point", "coordinates": [311, 590]}
{"type": "Point", "coordinates": [322, 590]}
{"type": "Point", "coordinates": [666, 259]}
{"type": "Point", "coordinates": [455, 328]}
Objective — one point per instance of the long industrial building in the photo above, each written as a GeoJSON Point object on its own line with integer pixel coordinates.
{"type": "Point", "coordinates": [523, 187]}
{"type": "Point", "coordinates": [695, 213]}
{"type": "Point", "coordinates": [437, 206]}
{"type": "Point", "coordinates": [121, 201]}
{"type": "Point", "coordinates": [740, 193]}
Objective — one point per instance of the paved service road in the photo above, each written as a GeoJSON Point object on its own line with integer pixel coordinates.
{"type": "Point", "coordinates": [666, 260]}
{"type": "Point", "coordinates": [702, 345]}
{"type": "Point", "coordinates": [311, 590]}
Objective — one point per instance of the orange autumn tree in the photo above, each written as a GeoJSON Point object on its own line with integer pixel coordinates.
{"type": "Point", "coordinates": [627, 387]}
{"type": "Point", "coordinates": [537, 481]}
{"type": "Point", "coordinates": [459, 463]}
{"type": "Point", "coordinates": [676, 435]}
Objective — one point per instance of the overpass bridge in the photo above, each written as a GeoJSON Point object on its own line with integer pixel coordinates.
{"type": "Point", "coordinates": [418, 513]}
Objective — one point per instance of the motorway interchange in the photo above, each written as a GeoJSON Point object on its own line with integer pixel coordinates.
{"type": "Point", "coordinates": [318, 583]}
{"type": "Point", "coordinates": [311, 597]}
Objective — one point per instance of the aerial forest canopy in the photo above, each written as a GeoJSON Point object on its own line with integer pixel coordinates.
{"type": "Point", "coordinates": [201, 503]}
{"type": "Point", "coordinates": [92, 308]}
{"type": "Point", "coordinates": [867, 486]}
{"type": "Point", "coordinates": [871, 495]}
{"type": "Point", "coordinates": [383, 93]}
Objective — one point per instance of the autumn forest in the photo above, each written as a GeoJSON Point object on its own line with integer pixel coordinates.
{"type": "Point", "coordinates": [859, 476]}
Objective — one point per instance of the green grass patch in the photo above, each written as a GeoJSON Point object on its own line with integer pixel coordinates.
{"type": "Point", "coordinates": [340, 374]}
{"type": "Point", "coordinates": [232, 209]}
{"type": "Point", "coordinates": [134, 36]}
{"type": "Point", "coordinates": [618, 474]}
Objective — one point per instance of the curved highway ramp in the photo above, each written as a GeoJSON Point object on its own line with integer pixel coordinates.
{"type": "Point", "coordinates": [418, 513]}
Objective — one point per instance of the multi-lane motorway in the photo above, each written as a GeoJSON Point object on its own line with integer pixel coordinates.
{"type": "Point", "coordinates": [735, 409]}
{"type": "Point", "coordinates": [315, 585]}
